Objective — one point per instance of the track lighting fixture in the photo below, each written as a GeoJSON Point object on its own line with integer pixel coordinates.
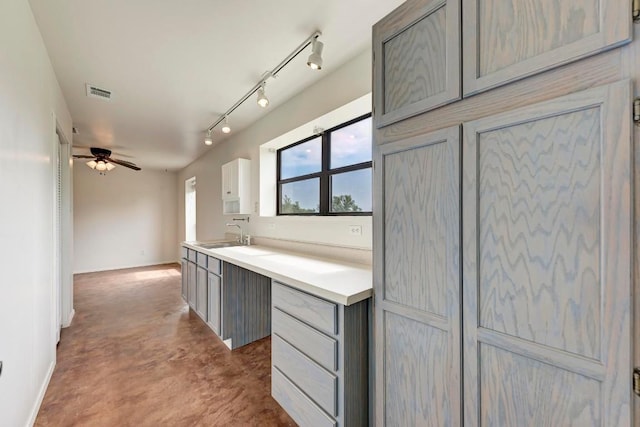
{"type": "Point", "coordinates": [315, 59]}
{"type": "Point", "coordinates": [263, 101]}
{"type": "Point", "coordinates": [314, 62]}
{"type": "Point", "coordinates": [208, 140]}
{"type": "Point", "coordinates": [225, 127]}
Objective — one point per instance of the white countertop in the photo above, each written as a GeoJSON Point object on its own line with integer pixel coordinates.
{"type": "Point", "coordinates": [340, 282]}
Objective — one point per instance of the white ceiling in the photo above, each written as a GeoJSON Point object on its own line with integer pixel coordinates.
{"type": "Point", "coordinates": [175, 66]}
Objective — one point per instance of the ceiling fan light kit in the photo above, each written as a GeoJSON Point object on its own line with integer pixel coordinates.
{"type": "Point", "coordinates": [102, 161]}
{"type": "Point", "coordinates": [314, 62]}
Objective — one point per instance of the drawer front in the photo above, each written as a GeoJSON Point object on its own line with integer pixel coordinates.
{"type": "Point", "coordinates": [316, 382]}
{"type": "Point", "coordinates": [201, 259]}
{"type": "Point", "coordinates": [315, 311]}
{"type": "Point", "coordinates": [192, 255]}
{"type": "Point", "coordinates": [296, 403]}
{"type": "Point", "coordinates": [185, 252]}
{"type": "Point", "coordinates": [215, 265]}
{"type": "Point", "coordinates": [319, 347]}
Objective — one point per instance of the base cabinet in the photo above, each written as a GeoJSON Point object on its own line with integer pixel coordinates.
{"type": "Point", "coordinates": [185, 282]}
{"type": "Point", "coordinates": [201, 292]}
{"type": "Point", "coordinates": [319, 358]}
{"type": "Point", "coordinates": [191, 284]}
{"type": "Point", "coordinates": [214, 307]}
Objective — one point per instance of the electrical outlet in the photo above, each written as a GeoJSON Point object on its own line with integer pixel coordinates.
{"type": "Point", "coordinates": [355, 230]}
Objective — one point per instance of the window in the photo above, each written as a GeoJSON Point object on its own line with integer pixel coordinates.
{"type": "Point", "coordinates": [190, 209]}
{"type": "Point", "coordinates": [327, 174]}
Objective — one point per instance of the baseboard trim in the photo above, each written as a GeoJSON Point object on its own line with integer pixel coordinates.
{"type": "Point", "coordinates": [41, 393]}
{"type": "Point", "coordinates": [125, 267]}
{"type": "Point", "coordinates": [70, 317]}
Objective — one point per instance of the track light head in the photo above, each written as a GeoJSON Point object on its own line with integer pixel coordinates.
{"type": "Point", "coordinates": [263, 101]}
{"type": "Point", "coordinates": [315, 59]}
{"type": "Point", "coordinates": [225, 127]}
{"type": "Point", "coordinates": [208, 140]}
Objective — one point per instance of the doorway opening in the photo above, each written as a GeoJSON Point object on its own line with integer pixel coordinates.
{"type": "Point", "coordinates": [190, 209]}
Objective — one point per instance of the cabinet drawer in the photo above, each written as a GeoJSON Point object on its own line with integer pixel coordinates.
{"type": "Point", "coordinates": [317, 312]}
{"type": "Point", "coordinates": [201, 259]}
{"type": "Point", "coordinates": [192, 255]}
{"type": "Point", "coordinates": [319, 347]}
{"type": "Point", "coordinates": [215, 265]}
{"type": "Point", "coordinates": [316, 382]}
{"type": "Point", "coordinates": [296, 403]}
{"type": "Point", "coordinates": [185, 252]}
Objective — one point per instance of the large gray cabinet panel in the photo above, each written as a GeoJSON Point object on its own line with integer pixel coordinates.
{"type": "Point", "coordinates": [246, 302]}
{"type": "Point", "coordinates": [417, 281]}
{"type": "Point", "coordinates": [547, 263]}
{"type": "Point", "coordinates": [416, 59]}
{"type": "Point", "coordinates": [504, 40]}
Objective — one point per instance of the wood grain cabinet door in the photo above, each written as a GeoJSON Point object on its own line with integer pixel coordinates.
{"type": "Point", "coordinates": [185, 278]}
{"type": "Point", "coordinates": [201, 293]}
{"type": "Point", "coordinates": [417, 281]}
{"type": "Point", "coordinates": [416, 59]}
{"type": "Point", "coordinates": [505, 40]}
{"type": "Point", "coordinates": [214, 308]}
{"type": "Point", "coordinates": [547, 263]}
{"type": "Point", "coordinates": [191, 278]}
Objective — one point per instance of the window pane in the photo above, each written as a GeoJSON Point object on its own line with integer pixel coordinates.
{"type": "Point", "coordinates": [301, 196]}
{"type": "Point", "coordinates": [351, 144]}
{"type": "Point", "coordinates": [301, 159]}
{"type": "Point", "coordinates": [351, 191]}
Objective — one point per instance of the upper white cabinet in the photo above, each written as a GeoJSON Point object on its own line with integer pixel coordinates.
{"type": "Point", "coordinates": [505, 40]}
{"type": "Point", "coordinates": [416, 59]}
{"type": "Point", "coordinates": [236, 189]}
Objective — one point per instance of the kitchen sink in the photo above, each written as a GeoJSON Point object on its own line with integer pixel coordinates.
{"type": "Point", "coordinates": [216, 245]}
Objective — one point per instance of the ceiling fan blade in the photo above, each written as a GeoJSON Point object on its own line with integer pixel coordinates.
{"type": "Point", "coordinates": [124, 163]}
{"type": "Point", "coordinates": [82, 156]}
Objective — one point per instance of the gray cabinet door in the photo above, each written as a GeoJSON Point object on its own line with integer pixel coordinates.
{"type": "Point", "coordinates": [191, 277]}
{"type": "Point", "coordinates": [416, 59]}
{"type": "Point", "coordinates": [214, 308]}
{"type": "Point", "coordinates": [201, 292]}
{"type": "Point", "coordinates": [417, 281]}
{"type": "Point", "coordinates": [185, 279]}
{"type": "Point", "coordinates": [505, 40]}
{"type": "Point", "coordinates": [547, 263]}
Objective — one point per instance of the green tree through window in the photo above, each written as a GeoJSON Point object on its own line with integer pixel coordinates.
{"type": "Point", "coordinates": [345, 203]}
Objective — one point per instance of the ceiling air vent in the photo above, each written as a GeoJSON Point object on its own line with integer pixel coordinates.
{"type": "Point", "coordinates": [96, 92]}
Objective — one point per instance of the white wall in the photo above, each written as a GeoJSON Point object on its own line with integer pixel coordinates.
{"type": "Point", "coordinates": [30, 98]}
{"type": "Point", "coordinates": [124, 218]}
{"type": "Point", "coordinates": [349, 82]}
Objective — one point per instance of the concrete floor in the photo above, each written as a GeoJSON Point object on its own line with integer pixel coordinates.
{"type": "Point", "coordinates": [136, 356]}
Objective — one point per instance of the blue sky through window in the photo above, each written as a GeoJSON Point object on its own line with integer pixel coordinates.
{"type": "Point", "coordinates": [351, 144]}
{"type": "Point", "coordinates": [301, 159]}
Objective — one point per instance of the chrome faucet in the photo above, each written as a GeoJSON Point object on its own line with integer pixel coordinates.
{"type": "Point", "coordinates": [241, 239]}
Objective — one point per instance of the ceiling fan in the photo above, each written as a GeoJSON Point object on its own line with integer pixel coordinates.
{"type": "Point", "coordinates": [102, 161]}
